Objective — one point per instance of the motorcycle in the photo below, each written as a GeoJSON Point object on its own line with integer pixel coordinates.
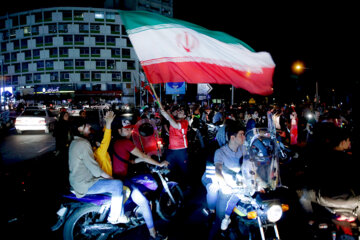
{"type": "Point", "coordinates": [260, 204]}
{"type": "Point", "coordinates": [86, 218]}
{"type": "Point", "coordinates": [334, 219]}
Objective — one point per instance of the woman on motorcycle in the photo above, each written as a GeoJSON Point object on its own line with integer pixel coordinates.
{"type": "Point", "coordinates": [123, 147]}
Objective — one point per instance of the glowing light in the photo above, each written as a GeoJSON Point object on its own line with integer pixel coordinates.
{"type": "Point", "coordinates": [298, 67]}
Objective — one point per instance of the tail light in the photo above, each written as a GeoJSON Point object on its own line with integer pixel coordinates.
{"type": "Point", "coordinates": [42, 122]}
{"type": "Point", "coordinates": [343, 218]}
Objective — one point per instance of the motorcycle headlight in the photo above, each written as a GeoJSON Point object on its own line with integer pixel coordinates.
{"type": "Point", "coordinates": [274, 213]}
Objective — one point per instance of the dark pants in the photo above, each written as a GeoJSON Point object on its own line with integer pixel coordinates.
{"type": "Point", "coordinates": [178, 166]}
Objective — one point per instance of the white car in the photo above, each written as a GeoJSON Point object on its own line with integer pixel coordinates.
{"type": "Point", "coordinates": [35, 119]}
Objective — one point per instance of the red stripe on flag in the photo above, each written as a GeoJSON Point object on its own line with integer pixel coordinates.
{"type": "Point", "coordinates": [194, 72]}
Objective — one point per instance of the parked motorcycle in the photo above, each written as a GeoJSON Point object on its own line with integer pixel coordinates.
{"type": "Point", "coordinates": [86, 218]}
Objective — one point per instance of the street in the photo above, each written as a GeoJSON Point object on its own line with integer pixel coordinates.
{"type": "Point", "coordinates": [32, 179]}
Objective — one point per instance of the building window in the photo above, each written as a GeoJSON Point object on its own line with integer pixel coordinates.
{"type": "Point", "coordinates": [52, 28]}
{"type": "Point", "coordinates": [15, 80]}
{"type": "Point", "coordinates": [5, 35]}
{"type": "Point", "coordinates": [84, 52]}
{"type": "Point", "coordinates": [28, 78]}
{"type": "Point", "coordinates": [37, 78]}
{"type": "Point", "coordinates": [54, 77]}
{"type": "Point", "coordinates": [25, 67]}
{"type": "Point", "coordinates": [13, 56]}
{"type": "Point", "coordinates": [66, 15]}
{"type": "Point", "coordinates": [63, 28]}
{"type": "Point", "coordinates": [110, 17]}
{"type": "Point", "coordinates": [12, 33]}
{"type": "Point", "coordinates": [126, 76]}
{"type": "Point", "coordinates": [48, 40]}
{"type": "Point", "coordinates": [5, 70]}
{"type": "Point", "coordinates": [100, 64]}
{"type": "Point", "coordinates": [99, 16]}
{"type": "Point", "coordinates": [94, 28]}
{"type": "Point", "coordinates": [85, 76]}
{"type": "Point", "coordinates": [36, 54]}
{"type": "Point", "coordinates": [115, 52]}
{"type": "Point", "coordinates": [64, 76]}
{"type": "Point", "coordinates": [79, 64]}
{"type": "Point", "coordinates": [84, 28]}
{"type": "Point", "coordinates": [27, 54]}
{"type": "Point", "coordinates": [95, 52]}
{"type": "Point", "coordinates": [17, 67]}
{"type": "Point", "coordinates": [79, 39]}
{"type": "Point", "coordinates": [115, 29]}
{"type": "Point", "coordinates": [27, 31]}
{"type": "Point", "coordinates": [49, 65]}
{"type": "Point", "coordinates": [78, 15]}
{"type": "Point", "coordinates": [63, 52]}
{"type": "Point", "coordinates": [111, 64]}
{"type": "Point", "coordinates": [24, 43]}
{"type": "Point", "coordinates": [35, 30]}
{"type": "Point", "coordinates": [38, 16]}
{"type": "Point", "coordinates": [125, 52]}
{"type": "Point", "coordinates": [39, 41]}
{"type": "Point", "coordinates": [3, 46]}
{"type": "Point", "coordinates": [53, 52]}
{"type": "Point", "coordinates": [16, 44]}
{"type": "Point", "coordinates": [130, 65]}
{"type": "Point", "coordinates": [96, 76]}
{"type": "Point", "coordinates": [123, 30]}
{"type": "Point", "coordinates": [40, 65]}
{"type": "Point", "coordinates": [7, 57]}
{"type": "Point", "coordinates": [100, 40]}
{"type": "Point", "coordinates": [116, 76]}
{"type": "Point", "coordinates": [68, 39]}
{"type": "Point", "coordinates": [110, 40]}
{"type": "Point", "coordinates": [69, 64]}
{"type": "Point", "coordinates": [47, 16]}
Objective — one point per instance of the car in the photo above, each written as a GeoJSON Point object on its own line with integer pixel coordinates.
{"type": "Point", "coordinates": [35, 119]}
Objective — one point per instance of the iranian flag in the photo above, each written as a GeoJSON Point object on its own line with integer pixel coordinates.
{"type": "Point", "coordinates": [172, 50]}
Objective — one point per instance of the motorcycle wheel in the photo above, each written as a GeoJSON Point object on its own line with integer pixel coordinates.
{"type": "Point", "coordinates": [82, 216]}
{"type": "Point", "coordinates": [166, 209]}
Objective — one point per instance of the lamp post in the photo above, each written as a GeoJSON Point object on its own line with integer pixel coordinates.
{"type": "Point", "coordinates": [298, 68]}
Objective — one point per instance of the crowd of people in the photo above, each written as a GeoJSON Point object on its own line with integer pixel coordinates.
{"type": "Point", "coordinates": [98, 162]}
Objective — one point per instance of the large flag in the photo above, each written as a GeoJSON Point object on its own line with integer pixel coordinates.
{"type": "Point", "coordinates": [172, 50]}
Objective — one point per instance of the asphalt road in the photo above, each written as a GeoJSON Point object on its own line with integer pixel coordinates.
{"type": "Point", "coordinates": [32, 180]}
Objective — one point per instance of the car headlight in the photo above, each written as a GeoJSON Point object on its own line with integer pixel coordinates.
{"type": "Point", "coordinates": [274, 213]}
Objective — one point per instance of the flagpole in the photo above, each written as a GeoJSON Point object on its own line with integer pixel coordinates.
{"type": "Point", "coordinates": [155, 95]}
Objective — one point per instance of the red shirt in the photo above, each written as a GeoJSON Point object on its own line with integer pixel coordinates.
{"type": "Point", "coordinates": [177, 137]}
{"type": "Point", "coordinates": [122, 148]}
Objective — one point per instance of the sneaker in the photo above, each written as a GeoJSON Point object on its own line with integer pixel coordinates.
{"type": "Point", "coordinates": [122, 219]}
{"type": "Point", "coordinates": [159, 237]}
{"type": "Point", "coordinates": [225, 223]}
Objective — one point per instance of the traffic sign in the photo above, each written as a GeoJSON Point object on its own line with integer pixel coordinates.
{"type": "Point", "coordinates": [204, 88]}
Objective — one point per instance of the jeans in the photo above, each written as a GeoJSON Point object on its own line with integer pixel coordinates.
{"type": "Point", "coordinates": [115, 187]}
{"type": "Point", "coordinates": [178, 166]}
{"type": "Point", "coordinates": [144, 206]}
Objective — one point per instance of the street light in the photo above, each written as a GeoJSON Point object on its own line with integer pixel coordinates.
{"type": "Point", "coordinates": [298, 68]}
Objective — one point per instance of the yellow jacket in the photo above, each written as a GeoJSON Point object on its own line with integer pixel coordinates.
{"type": "Point", "coordinates": [101, 153]}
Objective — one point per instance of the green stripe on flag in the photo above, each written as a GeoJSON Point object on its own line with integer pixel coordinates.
{"type": "Point", "coordinates": [137, 21]}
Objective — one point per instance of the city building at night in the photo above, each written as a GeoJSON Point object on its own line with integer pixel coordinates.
{"type": "Point", "coordinates": [70, 50]}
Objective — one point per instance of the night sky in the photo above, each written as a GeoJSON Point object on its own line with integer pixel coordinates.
{"type": "Point", "coordinates": [321, 35]}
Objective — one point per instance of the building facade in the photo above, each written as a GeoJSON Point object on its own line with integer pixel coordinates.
{"type": "Point", "coordinates": [68, 49]}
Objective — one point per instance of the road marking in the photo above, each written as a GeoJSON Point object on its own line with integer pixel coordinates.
{"type": "Point", "coordinates": [43, 149]}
